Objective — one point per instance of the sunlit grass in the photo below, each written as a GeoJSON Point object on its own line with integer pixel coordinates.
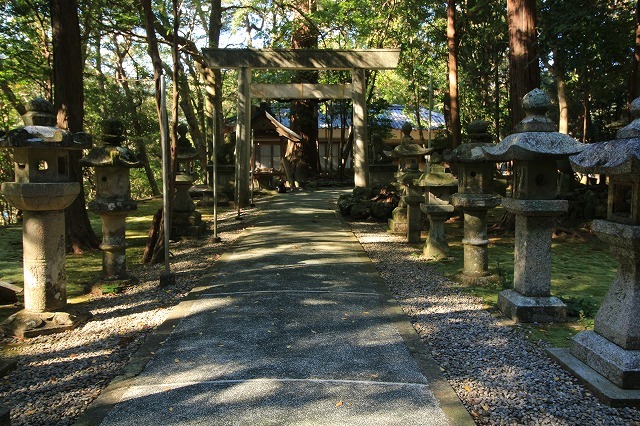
{"type": "Point", "coordinates": [81, 269]}
{"type": "Point", "coordinates": [582, 270]}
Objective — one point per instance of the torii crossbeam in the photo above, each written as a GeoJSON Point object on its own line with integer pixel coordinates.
{"type": "Point", "coordinates": [357, 61]}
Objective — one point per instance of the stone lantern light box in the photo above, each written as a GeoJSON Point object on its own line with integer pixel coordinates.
{"type": "Point", "coordinates": [112, 202]}
{"type": "Point", "coordinates": [475, 197]}
{"type": "Point", "coordinates": [534, 149]}
{"type": "Point", "coordinates": [612, 350]}
{"type": "Point", "coordinates": [406, 217]}
{"type": "Point", "coordinates": [42, 190]}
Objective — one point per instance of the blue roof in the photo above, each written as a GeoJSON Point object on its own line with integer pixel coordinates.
{"type": "Point", "coordinates": [396, 115]}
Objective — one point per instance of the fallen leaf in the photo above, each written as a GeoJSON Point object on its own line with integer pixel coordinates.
{"type": "Point", "coordinates": [176, 360]}
{"type": "Point", "coordinates": [467, 388]}
{"type": "Point", "coordinates": [339, 404]}
{"type": "Point", "coordinates": [170, 408]}
{"type": "Point", "coordinates": [30, 412]}
{"type": "Point", "coordinates": [474, 414]}
{"type": "Point", "coordinates": [485, 408]}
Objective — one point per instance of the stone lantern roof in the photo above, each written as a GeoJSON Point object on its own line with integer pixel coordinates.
{"type": "Point", "coordinates": [536, 136]}
{"type": "Point", "coordinates": [39, 131]}
{"type": "Point", "coordinates": [111, 153]}
{"type": "Point", "coordinates": [437, 177]}
{"type": "Point", "coordinates": [617, 157]}
{"type": "Point", "coordinates": [407, 147]}
{"type": "Point", "coordinates": [471, 150]}
{"type": "Point", "coordinates": [185, 150]}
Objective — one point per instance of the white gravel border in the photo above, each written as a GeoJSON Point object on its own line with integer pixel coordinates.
{"type": "Point", "coordinates": [57, 376]}
{"type": "Point", "coordinates": [501, 377]}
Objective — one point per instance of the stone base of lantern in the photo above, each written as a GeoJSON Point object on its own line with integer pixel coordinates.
{"type": "Point", "coordinates": [436, 246]}
{"type": "Point", "coordinates": [187, 225]}
{"type": "Point", "coordinates": [398, 221]}
{"type": "Point", "coordinates": [101, 286]}
{"type": "Point", "coordinates": [531, 309]}
{"type": "Point", "coordinates": [479, 280]}
{"type": "Point", "coordinates": [607, 391]}
{"type": "Point", "coordinates": [414, 218]}
{"type": "Point", "coordinates": [25, 324]}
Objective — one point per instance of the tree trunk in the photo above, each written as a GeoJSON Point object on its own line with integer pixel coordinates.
{"type": "Point", "coordinates": [12, 98]}
{"type": "Point", "coordinates": [69, 102]}
{"type": "Point", "coordinates": [452, 46]}
{"type": "Point", "coordinates": [304, 119]}
{"type": "Point", "coordinates": [496, 99]}
{"type": "Point", "coordinates": [192, 121]}
{"type": "Point", "coordinates": [563, 105]}
{"type": "Point", "coordinates": [213, 81]}
{"type": "Point", "coordinates": [137, 126]}
{"type": "Point", "coordinates": [634, 81]}
{"type": "Point", "coordinates": [557, 70]}
{"type": "Point", "coordinates": [585, 117]}
{"type": "Point", "coordinates": [523, 54]}
{"type": "Point", "coordinates": [154, 250]}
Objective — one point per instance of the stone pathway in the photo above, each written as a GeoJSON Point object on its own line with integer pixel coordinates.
{"type": "Point", "coordinates": [295, 327]}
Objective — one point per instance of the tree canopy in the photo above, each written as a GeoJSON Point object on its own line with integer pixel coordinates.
{"type": "Point", "coordinates": [585, 55]}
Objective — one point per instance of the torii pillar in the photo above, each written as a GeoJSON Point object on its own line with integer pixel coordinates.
{"type": "Point", "coordinates": [356, 61]}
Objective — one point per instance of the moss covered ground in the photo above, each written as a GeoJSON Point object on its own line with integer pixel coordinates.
{"type": "Point", "coordinates": [81, 269]}
{"type": "Point", "coordinates": [582, 270]}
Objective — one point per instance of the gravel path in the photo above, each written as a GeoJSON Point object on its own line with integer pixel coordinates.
{"type": "Point", "coordinates": [500, 376]}
{"type": "Point", "coordinates": [59, 375]}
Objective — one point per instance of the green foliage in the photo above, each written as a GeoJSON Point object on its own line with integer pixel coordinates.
{"type": "Point", "coordinates": [590, 44]}
{"type": "Point", "coordinates": [580, 307]}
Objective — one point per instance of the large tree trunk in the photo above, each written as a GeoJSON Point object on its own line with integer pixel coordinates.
{"type": "Point", "coordinates": [452, 46]}
{"type": "Point", "coordinates": [304, 120]}
{"type": "Point", "coordinates": [69, 102]}
{"type": "Point", "coordinates": [524, 70]}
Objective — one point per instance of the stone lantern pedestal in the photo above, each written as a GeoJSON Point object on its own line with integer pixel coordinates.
{"type": "Point", "coordinates": [406, 218]}
{"type": "Point", "coordinates": [113, 203]}
{"type": "Point", "coordinates": [607, 359]}
{"type": "Point", "coordinates": [440, 185]}
{"type": "Point", "coordinates": [42, 191]}
{"type": "Point", "coordinates": [475, 197]}
{"type": "Point", "coordinates": [186, 221]}
{"type": "Point", "coordinates": [534, 149]}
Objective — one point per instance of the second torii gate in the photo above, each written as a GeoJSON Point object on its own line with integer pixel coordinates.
{"type": "Point", "coordinates": [356, 61]}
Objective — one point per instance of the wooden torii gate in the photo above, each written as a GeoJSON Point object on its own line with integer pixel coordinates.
{"type": "Point", "coordinates": [356, 61]}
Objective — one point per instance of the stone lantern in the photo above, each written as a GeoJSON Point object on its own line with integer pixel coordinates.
{"type": "Point", "coordinates": [475, 197]}
{"type": "Point", "coordinates": [113, 202]}
{"type": "Point", "coordinates": [612, 349]}
{"type": "Point", "coordinates": [534, 149]}
{"type": "Point", "coordinates": [42, 191]}
{"type": "Point", "coordinates": [439, 184]}
{"type": "Point", "coordinates": [407, 217]}
{"type": "Point", "coordinates": [186, 221]}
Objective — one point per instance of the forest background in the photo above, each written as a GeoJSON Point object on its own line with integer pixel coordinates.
{"type": "Point", "coordinates": [585, 53]}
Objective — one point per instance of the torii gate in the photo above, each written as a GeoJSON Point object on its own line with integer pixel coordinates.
{"type": "Point", "coordinates": [357, 61]}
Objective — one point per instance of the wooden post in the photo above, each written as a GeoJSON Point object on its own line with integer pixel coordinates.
{"type": "Point", "coordinates": [360, 143]}
{"type": "Point", "coordinates": [243, 136]}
